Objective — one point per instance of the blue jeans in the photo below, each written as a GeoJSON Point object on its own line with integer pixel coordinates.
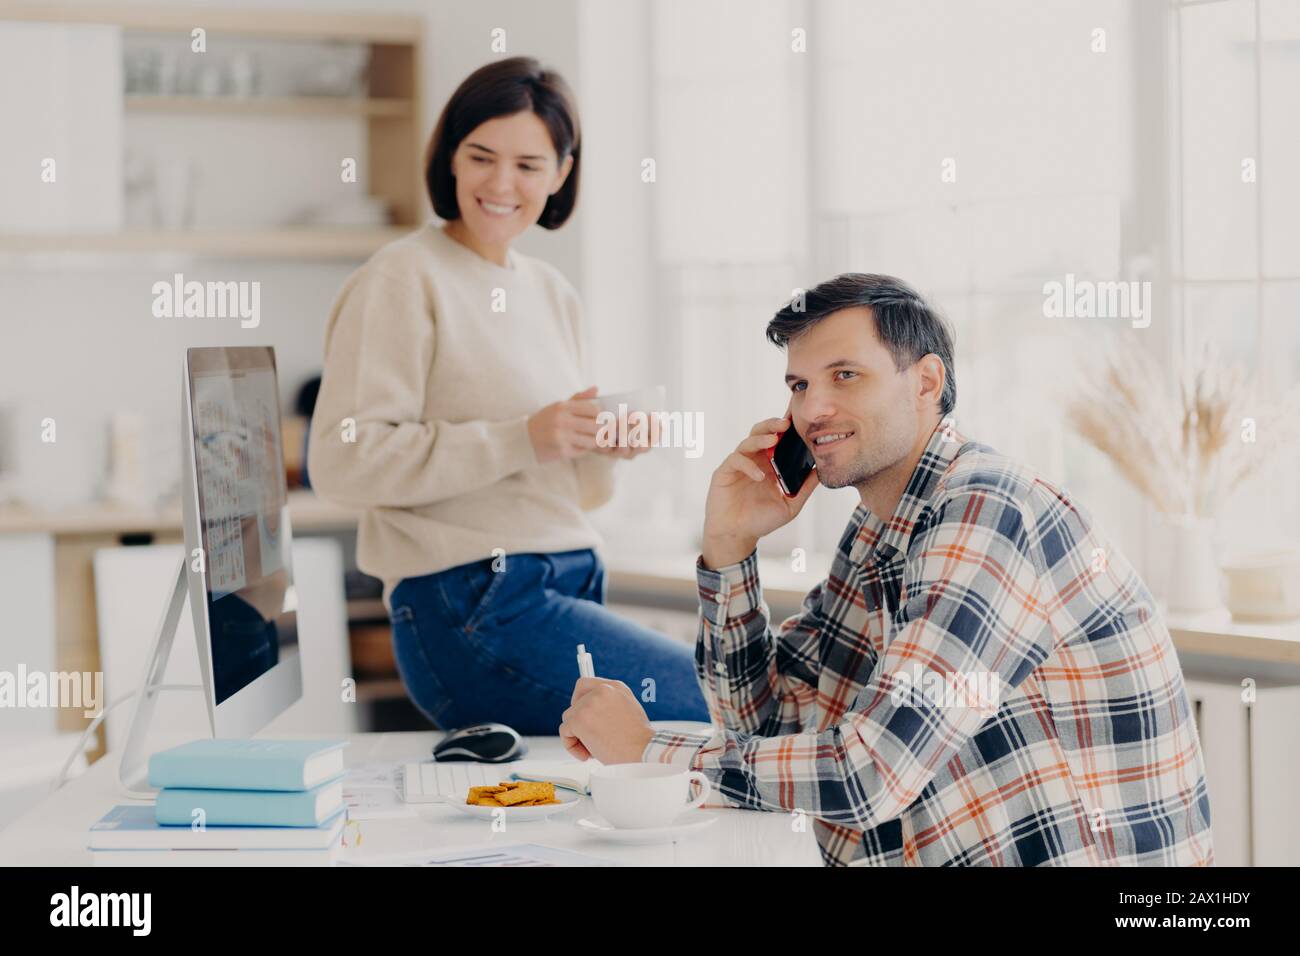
{"type": "Point", "coordinates": [476, 645]}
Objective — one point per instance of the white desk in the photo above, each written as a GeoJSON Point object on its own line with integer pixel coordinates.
{"type": "Point", "coordinates": [54, 832]}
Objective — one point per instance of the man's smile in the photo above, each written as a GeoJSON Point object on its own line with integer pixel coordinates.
{"type": "Point", "coordinates": [824, 440]}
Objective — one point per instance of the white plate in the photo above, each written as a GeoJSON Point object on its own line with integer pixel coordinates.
{"type": "Point", "coordinates": [567, 799]}
{"type": "Point", "coordinates": [689, 822]}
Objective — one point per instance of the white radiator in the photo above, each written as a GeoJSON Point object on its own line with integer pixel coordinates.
{"type": "Point", "coordinates": [1251, 770]}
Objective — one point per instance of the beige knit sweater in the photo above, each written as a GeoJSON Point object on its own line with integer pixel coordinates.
{"type": "Point", "coordinates": [434, 359]}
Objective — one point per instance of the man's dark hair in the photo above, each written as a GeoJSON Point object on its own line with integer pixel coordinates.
{"type": "Point", "coordinates": [905, 322]}
{"type": "Point", "coordinates": [503, 88]}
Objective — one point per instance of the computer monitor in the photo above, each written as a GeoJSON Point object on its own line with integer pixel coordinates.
{"type": "Point", "coordinates": [237, 568]}
{"type": "Point", "coordinates": [237, 512]}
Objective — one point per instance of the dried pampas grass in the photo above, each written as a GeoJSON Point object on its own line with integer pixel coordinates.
{"type": "Point", "coordinates": [1181, 435]}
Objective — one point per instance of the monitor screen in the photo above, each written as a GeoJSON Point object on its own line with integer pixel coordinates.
{"type": "Point", "coordinates": [243, 514]}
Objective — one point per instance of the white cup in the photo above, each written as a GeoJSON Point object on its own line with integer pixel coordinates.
{"type": "Point", "coordinates": [637, 796]}
{"type": "Point", "coordinates": [630, 417]}
{"type": "Point", "coordinates": [650, 398]}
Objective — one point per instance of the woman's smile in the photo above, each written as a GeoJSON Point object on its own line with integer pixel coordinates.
{"type": "Point", "coordinates": [497, 210]}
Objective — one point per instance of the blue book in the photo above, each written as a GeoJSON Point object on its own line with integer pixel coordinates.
{"type": "Point", "coordinates": [250, 808]}
{"type": "Point", "coordinates": [247, 764]}
{"type": "Point", "coordinates": [133, 827]}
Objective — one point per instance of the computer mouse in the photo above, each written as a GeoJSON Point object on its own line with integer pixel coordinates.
{"type": "Point", "coordinates": [486, 743]}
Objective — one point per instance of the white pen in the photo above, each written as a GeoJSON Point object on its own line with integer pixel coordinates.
{"type": "Point", "coordinates": [585, 668]}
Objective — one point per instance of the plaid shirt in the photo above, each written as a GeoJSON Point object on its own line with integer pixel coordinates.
{"type": "Point", "coordinates": [1078, 748]}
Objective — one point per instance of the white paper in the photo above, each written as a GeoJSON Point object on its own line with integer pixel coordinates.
{"type": "Point", "coordinates": [517, 854]}
{"type": "Point", "coordinates": [375, 803]}
{"type": "Point", "coordinates": [373, 792]}
{"type": "Point", "coordinates": [374, 775]}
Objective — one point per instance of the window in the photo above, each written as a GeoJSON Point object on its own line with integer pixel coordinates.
{"type": "Point", "coordinates": [978, 151]}
{"type": "Point", "coordinates": [1235, 243]}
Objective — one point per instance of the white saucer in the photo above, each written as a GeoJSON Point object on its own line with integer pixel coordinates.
{"type": "Point", "coordinates": [567, 799]}
{"type": "Point", "coordinates": [686, 824]}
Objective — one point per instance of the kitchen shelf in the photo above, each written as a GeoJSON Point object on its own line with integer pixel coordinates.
{"type": "Point", "coordinates": [272, 105]}
{"type": "Point", "coordinates": [308, 242]}
{"type": "Point", "coordinates": [367, 609]}
{"type": "Point", "coordinates": [379, 688]}
{"type": "Point", "coordinates": [280, 24]}
{"type": "Point", "coordinates": [389, 112]}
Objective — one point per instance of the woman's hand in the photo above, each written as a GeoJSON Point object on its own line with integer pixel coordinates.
{"type": "Point", "coordinates": [640, 435]}
{"type": "Point", "coordinates": [565, 429]}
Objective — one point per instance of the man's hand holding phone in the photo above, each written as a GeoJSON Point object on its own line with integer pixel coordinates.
{"type": "Point", "coordinates": [745, 502]}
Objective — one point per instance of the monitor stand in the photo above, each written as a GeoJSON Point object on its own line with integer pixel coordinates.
{"type": "Point", "coordinates": [133, 772]}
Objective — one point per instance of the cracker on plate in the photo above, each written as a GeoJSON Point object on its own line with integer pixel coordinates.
{"type": "Point", "coordinates": [514, 793]}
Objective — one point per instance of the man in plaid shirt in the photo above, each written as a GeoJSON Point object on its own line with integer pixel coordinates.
{"type": "Point", "coordinates": [981, 680]}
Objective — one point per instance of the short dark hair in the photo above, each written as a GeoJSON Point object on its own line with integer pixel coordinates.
{"type": "Point", "coordinates": [908, 326]}
{"type": "Point", "coordinates": [503, 88]}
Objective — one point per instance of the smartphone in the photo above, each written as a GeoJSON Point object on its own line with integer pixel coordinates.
{"type": "Point", "coordinates": [791, 460]}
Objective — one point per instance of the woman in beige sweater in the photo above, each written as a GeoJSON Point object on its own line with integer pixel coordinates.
{"type": "Point", "coordinates": [455, 411]}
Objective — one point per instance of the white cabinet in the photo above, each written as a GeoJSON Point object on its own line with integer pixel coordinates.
{"type": "Point", "coordinates": [1251, 770]}
{"type": "Point", "coordinates": [27, 627]}
{"type": "Point", "coordinates": [60, 100]}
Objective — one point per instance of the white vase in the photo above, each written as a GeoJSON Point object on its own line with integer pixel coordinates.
{"type": "Point", "coordinates": [1192, 577]}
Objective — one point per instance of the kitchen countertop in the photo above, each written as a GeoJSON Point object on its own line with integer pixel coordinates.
{"type": "Point", "coordinates": [307, 512]}
{"type": "Point", "coordinates": [666, 580]}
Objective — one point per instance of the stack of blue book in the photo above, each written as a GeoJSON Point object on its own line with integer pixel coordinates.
{"type": "Point", "coordinates": [232, 802]}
